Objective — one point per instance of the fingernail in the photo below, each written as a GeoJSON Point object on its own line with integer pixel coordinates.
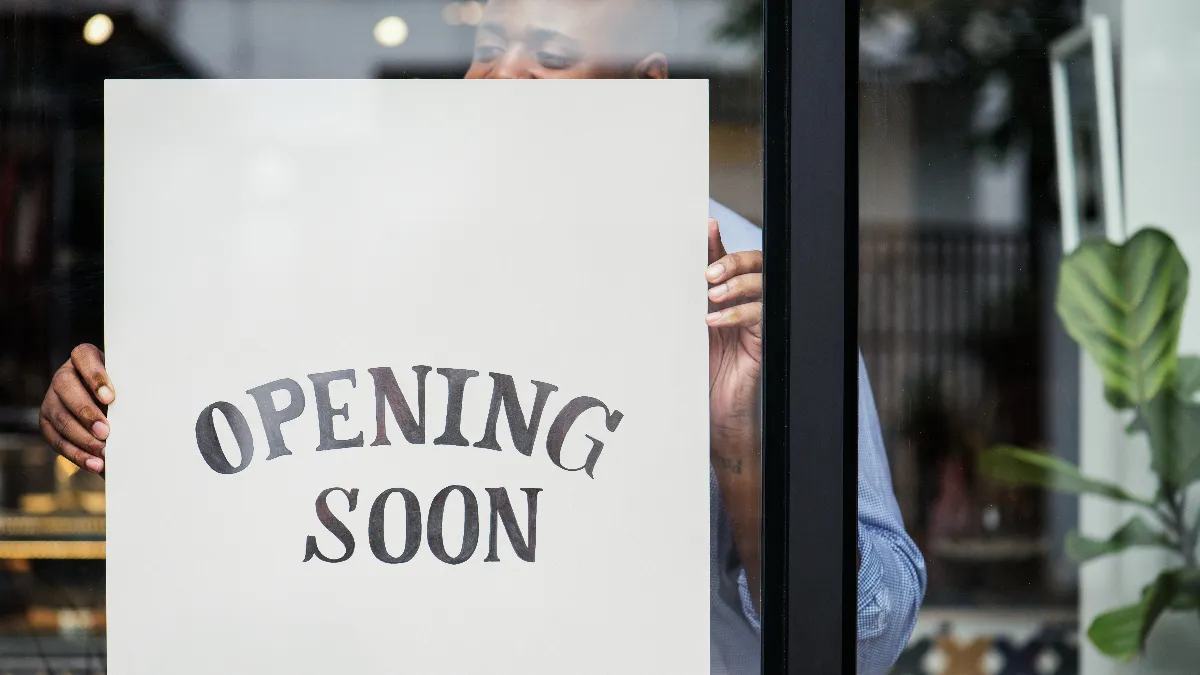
{"type": "Point", "coordinates": [105, 395]}
{"type": "Point", "coordinates": [718, 291]}
{"type": "Point", "coordinates": [100, 430]}
{"type": "Point", "coordinates": [712, 317]}
{"type": "Point", "coordinates": [95, 464]}
{"type": "Point", "coordinates": [715, 271]}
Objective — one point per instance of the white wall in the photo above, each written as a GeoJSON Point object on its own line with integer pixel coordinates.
{"type": "Point", "coordinates": [886, 148]}
{"type": "Point", "coordinates": [918, 165]}
{"type": "Point", "coordinates": [151, 12]}
{"type": "Point", "coordinates": [332, 38]}
{"type": "Point", "coordinates": [1159, 73]}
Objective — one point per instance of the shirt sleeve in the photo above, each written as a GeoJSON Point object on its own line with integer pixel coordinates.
{"type": "Point", "coordinates": [891, 574]}
{"type": "Point", "coordinates": [891, 577]}
{"type": "Point", "coordinates": [748, 601]}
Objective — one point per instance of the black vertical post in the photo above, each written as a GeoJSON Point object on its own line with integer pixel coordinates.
{"type": "Point", "coordinates": [810, 439]}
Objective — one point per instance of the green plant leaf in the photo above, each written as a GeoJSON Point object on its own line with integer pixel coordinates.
{"type": "Point", "coordinates": [1136, 532]}
{"type": "Point", "coordinates": [1029, 467]}
{"type": "Point", "coordinates": [1186, 388]}
{"type": "Point", "coordinates": [1189, 377]}
{"type": "Point", "coordinates": [1137, 426]}
{"type": "Point", "coordinates": [1115, 632]}
{"type": "Point", "coordinates": [1162, 593]}
{"type": "Point", "coordinates": [1186, 601]}
{"type": "Point", "coordinates": [1123, 305]}
{"type": "Point", "coordinates": [1173, 426]}
{"type": "Point", "coordinates": [1121, 633]}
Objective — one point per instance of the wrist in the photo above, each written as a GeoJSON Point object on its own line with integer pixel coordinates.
{"type": "Point", "coordinates": [735, 440]}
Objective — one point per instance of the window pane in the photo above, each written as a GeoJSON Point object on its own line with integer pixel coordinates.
{"type": "Point", "coordinates": [53, 65]}
{"type": "Point", "coordinates": [994, 137]}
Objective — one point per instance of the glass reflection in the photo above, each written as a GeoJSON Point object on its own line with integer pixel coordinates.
{"type": "Point", "coordinates": [51, 162]}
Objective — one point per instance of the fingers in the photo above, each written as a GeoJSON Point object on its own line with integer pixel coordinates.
{"type": "Point", "coordinates": [69, 400]}
{"type": "Point", "coordinates": [733, 265]}
{"type": "Point", "coordinates": [67, 449]}
{"type": "Point", "coordinates": [716, 250]}
{"type": "Point", "coordinates": [89, 363]}
{"type": "Point", "coordinates": [747, 287]}
{"type": "Point", "coordinates": [737, 284]}
{"type": "Point", "coordinates": [748, 315]}
{"type": "Point", "coordinates": [65, 423]}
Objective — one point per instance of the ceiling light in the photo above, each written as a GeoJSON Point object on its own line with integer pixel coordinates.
{"type": "Point", "coordinates": [97, 30]}
{"type": "Point", "coordinates": [452, 13]}
{"type": "Point", "coordinates": [471, 13]}
{"type": "Point", "coordinates": [391, 31]}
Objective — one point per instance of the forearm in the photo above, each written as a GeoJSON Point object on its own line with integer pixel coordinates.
{"type": "Point", "coordinates": [736, 460]}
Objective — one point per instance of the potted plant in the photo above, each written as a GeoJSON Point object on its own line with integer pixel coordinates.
{"type": "Point", "coordinates": [1124, 304]}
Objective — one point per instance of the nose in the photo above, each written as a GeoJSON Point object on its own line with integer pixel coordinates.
{"type": "Point", "coordinates": [511, 66]}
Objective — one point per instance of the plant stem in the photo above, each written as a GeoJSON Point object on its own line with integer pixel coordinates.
{"type": "Point", "coordinates": [1171, 508]}
{"type": "Point", "coordinates": [1191, 544]}
{"type": "Point", "coordinates": [1185, 536]}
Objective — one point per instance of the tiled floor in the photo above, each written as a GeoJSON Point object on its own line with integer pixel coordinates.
{"type": "Point", "coordinates": [979, 643]}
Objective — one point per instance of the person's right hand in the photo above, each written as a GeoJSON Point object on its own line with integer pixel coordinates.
{"type": "Point", "coordinates": [73, 414]}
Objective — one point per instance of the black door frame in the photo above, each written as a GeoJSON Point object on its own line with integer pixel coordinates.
{"type": "Point", "coordinates": [810, 395]}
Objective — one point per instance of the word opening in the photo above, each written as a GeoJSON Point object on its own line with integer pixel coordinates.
{"type": "Point", "coordinates": [275, 411]}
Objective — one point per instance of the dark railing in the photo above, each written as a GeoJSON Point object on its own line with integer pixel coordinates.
{"type": "Point", "coordinates": [949, 325]}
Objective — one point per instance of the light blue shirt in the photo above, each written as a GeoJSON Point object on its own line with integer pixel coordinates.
{"type": "Point", "coordinates": [891, 580]}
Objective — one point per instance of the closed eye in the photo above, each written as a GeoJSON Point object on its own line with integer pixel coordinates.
{"type": "Point", "coordinates": [555, 61]}
{"type": "Point", "coordinates": [488, 53]}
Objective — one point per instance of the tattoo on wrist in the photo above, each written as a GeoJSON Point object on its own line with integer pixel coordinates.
{"type": "Point", "coordinates": [727, 464]}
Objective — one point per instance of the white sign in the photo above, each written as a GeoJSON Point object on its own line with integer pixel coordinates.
{"type": "Point", "coordinates": [411, 377]}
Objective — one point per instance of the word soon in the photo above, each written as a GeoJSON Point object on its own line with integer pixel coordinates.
{"type": "Point", "coordinates": [389, 397]}
{"type": "Point", "coordinates": [524, 544]}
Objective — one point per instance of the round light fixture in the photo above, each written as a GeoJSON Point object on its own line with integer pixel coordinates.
{"type": "Point", "coordinates": [98, 29]}
{"type": "Point", "coordinates": [471, 12]}
{"type": "Point", "coordinates": [452, 13]}
{"type": "Point", "coordinates": [391, 31]}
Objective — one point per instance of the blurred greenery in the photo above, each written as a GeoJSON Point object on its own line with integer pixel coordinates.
{"type": "Point", "coordinates": [1124, 305]}
{"type": "Point", "coordinates": [743, 21]}
{"type": "Point", "coordinates": [997, 48]}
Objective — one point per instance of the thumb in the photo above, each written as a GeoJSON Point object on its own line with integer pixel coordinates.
{"type": "Point", "coordinates": [716, 250]}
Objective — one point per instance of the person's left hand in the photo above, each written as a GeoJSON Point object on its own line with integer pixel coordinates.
{"type": "Point", "coordinates": [734, 339]}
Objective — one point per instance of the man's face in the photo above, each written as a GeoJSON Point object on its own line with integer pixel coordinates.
{"type": "Point", "coordinates": [572, 39]}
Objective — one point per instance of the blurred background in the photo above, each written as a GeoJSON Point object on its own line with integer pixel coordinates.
{"type": "Point", "coordinates": [962, 234]}
{"type": "Point", "coordinates": [960, 241]}
{"type": "Point", "coordinates": [54, 58]}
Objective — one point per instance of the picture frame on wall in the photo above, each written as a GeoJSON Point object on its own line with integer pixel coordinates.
{"type": "Point", "coordinates": [1087, 137]}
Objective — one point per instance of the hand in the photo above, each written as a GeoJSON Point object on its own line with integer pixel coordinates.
{"type": "Point", "coordinates": [73, 413]}
{"type": "Point", "coordinates": [734, 338]}
{"type": "Point", "coordinates": [734, 371]}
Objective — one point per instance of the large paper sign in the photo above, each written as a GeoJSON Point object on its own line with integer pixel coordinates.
{"type": "Point", "coordinates": [411, 377]}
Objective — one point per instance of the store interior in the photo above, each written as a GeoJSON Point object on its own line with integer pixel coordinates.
{"type": "Point", "coordinates": [960, 242]}
{"type": "Point", "coordinates": [54, 59]}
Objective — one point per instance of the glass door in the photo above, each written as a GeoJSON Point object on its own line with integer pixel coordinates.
{"type": "Point", "coordinates": [56, 393]}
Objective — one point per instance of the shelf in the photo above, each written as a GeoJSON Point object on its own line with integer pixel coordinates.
{"type": "Point", "coordinates": [55, 619]}
{"type": "Point", "coordinates": [52, 550]}
{"type": "Point", "coordinates": [51, 537]}
{"type": "Point", "coordinates": [51, 527]}
{"type": "Point", "coordinates": [989, 550]}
